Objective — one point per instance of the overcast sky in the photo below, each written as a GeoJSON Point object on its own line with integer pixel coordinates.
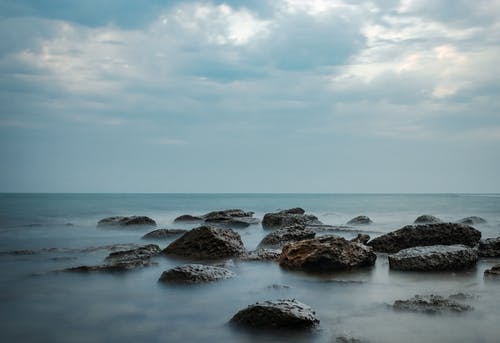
{"type": "Point", "coordinates": [250, 96]}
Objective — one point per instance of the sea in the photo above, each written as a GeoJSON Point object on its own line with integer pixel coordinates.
{"type": "Point", "coordinates": [41, 234]}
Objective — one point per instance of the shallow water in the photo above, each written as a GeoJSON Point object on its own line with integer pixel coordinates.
{"type": "Point", "coordinates": [39, 306]}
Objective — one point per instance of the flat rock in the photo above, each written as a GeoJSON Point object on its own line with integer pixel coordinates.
{"type": "Point", "coordinates": [277, 314]}
{"type": "Point", "coordinates": [290, 217]}
{"type": "Point", "coordinates": [188, 218]}
{"type": "Point", "coordinates": [360, 220]}
{"type": "Point", "coordinates": [262, 254]}
{"type": "Point", "coordinates": [425, 235]}
{"type": "Point", "coordinates": [493, 271]}
{"type": "Point", "coordinates": [195, 273]}
{"type": "Point", "coordinates": [489, 247]}
{"type": "Point", "coordinates": [427, 219]}
{"type": "Point", "coordinates": [163, 233]}
{"type": "Point", "coordinates": [285, 235]}
{"type": "Point", "coordinates": [325, 254]}
{"type": "Point", "coordinates": [361, 238]}
{"type": "Point", "coordinates": [207, 242]}
{"type": "Point", "coordinates": [434, 258]}
{"type": "Point", "coordinates": [126, 221]}
{"type": "Point", "coordinates": [236, 218]}
{"type": "Point", "coordinates": [431, 304]}
{"type": "Point", "coordinates": [472, 220]}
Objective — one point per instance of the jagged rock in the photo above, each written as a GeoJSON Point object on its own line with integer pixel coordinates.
{"type": "Point", "coordinates": [360, 220]}
{"type": "Point", "coordinates": [472, 220]}
{"type": "Point", "coordinates": [126, 221]}
{"type": "Point", "coordinates": [277, 314]}
{"type": "Point", "coordinates": [493, 271]}
{"type": "Point", "coordinates": [294, 216]}
{"type": "Point", "coordinates": [427, 219]}
{"type": "Point", "coordinates": [285, 235]}
{"type": "Point", "coordinates": [207, 242]}
{"type": "Point", "coordinates": [270, 255]}
{"type": "Point", "coordinates": [195, 273]}
{"type": "Point", "coordinates": [424, 235]}
{"type": "Point", "coordinates": [324, 254]}
{"type": "Point", "coordinates": [489, 247]}
{"type": "Point", "coordinates": [434, 258]}
{"type": "Point", "coordinates": [361, 238]}
{"type": "Point", "coordinates": [430, 304]}
{"type": "Point", "coordinates": [163, 233]}
{"type": "Point", "coordinates": [188, 218]}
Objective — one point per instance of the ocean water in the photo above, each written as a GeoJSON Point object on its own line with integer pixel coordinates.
{"type": "Point", "coordinates": [38, 305]}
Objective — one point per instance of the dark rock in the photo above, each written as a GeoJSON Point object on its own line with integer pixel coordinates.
{"type": "Point", "coordinates": [195, 273]}
{"type": "Point", "coordinates": [163, 233]}
{"type": "Point", "coordinates": [285, 235]}
{"type": "Point", "coordinates": [347, 339]}
{"type": "Point", "coordinates": [141, 253]}
{"type": "Point", "coordinates": [434, 258]}
{"type": "Point", "coordinates": [431, 304]}
{"type": "Point", "coordinates": [188, 218]}
{"type": "Point", "coordinates": [294, 216]}
{"type": "Point", "coordinates": [361, 238]}
{"type": "Point", "coordinates": [207, 242]}
{"type": "Point", "coordinates": [472, 220]}
{"type": "Point", "coordinates": [231, 218]}
{"type": "Point", "coordinates": [424, 235]}
{"type": "Point", "coordinates": [235, 213]}
{"type": "Point", "coordinates": [126, 221]}
{"type": "Point", "coordinates": [278, 314]}
{"type": "Point", "coordinates": [269, 255]}
{"type": "Point", "coordinates": [493, 271]}
{"type": "Point", "coordinates": [489, 247]}
{"type": "Point", "coordinates": [324, 254]}
{"type": "Point", "coordinates": [427, 219]}
{"type": "Point", "coordinates": [360, 220]}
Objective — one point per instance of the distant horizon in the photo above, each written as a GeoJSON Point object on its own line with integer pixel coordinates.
{"type": "Point", "coordinates": [260, 193]}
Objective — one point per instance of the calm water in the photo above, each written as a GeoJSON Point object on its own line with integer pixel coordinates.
{"type": "Point", "coordinates": [38, 306]}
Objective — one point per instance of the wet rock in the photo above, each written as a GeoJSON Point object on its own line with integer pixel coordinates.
{"type": "Point", "coordinates": [140, 253]}
{"type": "Point", "coordinates": [434, 258]}
{"type": "Point", "coordinates": [231, 218]}
{"type": "Point", "coordinates": [425, 235]}
{"type": "Point", "coordinates": [195, 273]}
{"type": "Point", "coordinates": [267, 255]}
{"type": "Point", "coordinates": [427, 219]}
{"type": "Point", "coordinates": [188, 218]}
{"type": "Point", "coordinates": [290, 217]}
{"type": "Point", "coordinates": [285, 235]}
{"type": "Point", "coordinates": [431, 304]}
{"type": "Point", "coordinates": [361, 238]}
{"type": "Point", "coordinates": [234, 213]}
{"type": "Point", "coordinates": [277, 314]}
{"type": "Point", "coordinates": [126, 221]}
{"type": "Point", "coordinates": [489, 247]}
{"type": "Point", "coordinates": [493, 271]}
{"type": "Point", "coordinates": [360, 220]}
{"type": "Point", "coordinates": [347, 339]}
{"type": "Point", "coordinates": [472, 220]}
{"type": "Point", "coordinates": [325, 254]}
{"type": "Point", "coordinates": [207, 242]}
{"type": "Point", "coordinates": [163, 233]}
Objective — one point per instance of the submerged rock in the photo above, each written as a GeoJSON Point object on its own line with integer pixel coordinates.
{"type": "Point", "coordinates": [267, 255]}
{"type": "Point", "coordinates": [427, 219]}
{"type": "Point", "coordinates": [285, 235]}
{"type": "Point", "coordinates": [195, 273]}
{"type": "Point", "coordinates": [188, 218]}
{"type": "Point", "coordinates": [325, 254]}
{"type": "Point", "coordinates": [472, 220]}
{"type": "Point", "coordinates": [489, 247]}
{"type": "Point", "coordinates": [425, 235]}
{"type": "Point", "coordinates": [430, 304]}
{"type": "Point", "coordinates": [290, 217]}
{"type": "Point", "coordinates": [360, 220]}
{"type": "Point", "coordinates": [277, 314]}
{"type": "Point", "coordinates": [163, 233]}
{"type": "Point", "coordinates": [207, 242]}
{"type": "Point", "coordinates": [493, 271]}
{"type": "Point", "coordinates": [361, 238]}
{"type": "Point", "coordinates": [126, 221]}
{"type": "Point", "coordinates": [434, 258]}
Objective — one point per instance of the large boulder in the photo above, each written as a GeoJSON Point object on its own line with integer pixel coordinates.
{"type": "Point", "coordinates": [277, 314]}
{"type": "Point", "coordinates": [163, 233]}
{"type": "Point", "coordinates": [188, 218]}
{"type": "Point", "coordinates": [427, 219]}
{"type": "Point", "coordinates": [290, 217]}
{"type": "Point", "coordinates": [360, 220]}
{"type": "Point", "coordinates": [325, 254]}
{"type": "Point", "coordinates": [493, 271]}
{"type": "Point", "coordinates": [424, 235]}
{"type": "Point", "coordinates": [489, 247]}
{"type": "Point", "coordinates": [285, 235]}
{"type": "Point", "coordinates": [195, 273]}
{"type": "Point", "coordinates": [472, 220]}
{"type": "Point", "coordinates": [432, 304]}
{"type": "Point", "coordinates": [207, 242]}
{"type": "Point", "coordinates": [434, 258]}
{"type": "Point", "coordinates": [126, 221]}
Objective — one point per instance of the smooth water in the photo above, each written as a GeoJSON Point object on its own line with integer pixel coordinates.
{"type": "Point", "coordinates": [40, 306]}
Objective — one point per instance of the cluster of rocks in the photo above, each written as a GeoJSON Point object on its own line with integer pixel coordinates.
{"type": "Point", "coordinates": [236, 218]}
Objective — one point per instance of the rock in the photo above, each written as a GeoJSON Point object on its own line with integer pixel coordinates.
{"type": "Point", "coordinates": [430, 304]}
{"type": "Point", "coordinates": [195, 273]}
{"type": "Point", "coordinates": [489, 247]}
{"type": "Point", "coordinates": [231, 218]}
{"type": "Point", "coordinates": [493, 271]}
{"type": "Point", "coordinates": [294, 216]}
{"type": "Point", "coordinates": [361, 238]}
{"type": "Point", "coordinates": [207, 242]}
{"type": "Point", "coordinates": [163, 233]}
{"type": "Point", "coordinates": [285, 235]}
{"type": "Point", "coordinates": [140, 253]}
{"type": "Point", "coordinates": [235, 213]}
{"type": "Point", "coordinates": [126, 221]}
{"type": "Point", "coordinates": [277, 314]}
{"type": "Point", "coordinates": [434, 258]}
{"type": "Point", "coordinates": [188, 218]}
{"type": "Point", "coordinates": [424, 235]}
{"type": "Point", "coordinates": [427, 219]}
{"type": "Point", "coordinates": [325, 254]}
{"type": "Point", "coordinates": [347, 339]}
{"type": "Point", "coordinates": [269, 255]}
{"type": "Point", "coordinates": [472, 220]}
{"type": "Point", "coordinates": [360, 220]}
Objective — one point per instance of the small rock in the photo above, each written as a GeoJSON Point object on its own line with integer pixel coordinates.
{"type": "Point", "coordinates": [360, 220]}
{"type": "Point", "coordinates": [472, 220]}
{"type": "Point", "coordinates": [493, 271]}
{"type": "Point", "coordinates": [262, 254]}
{"type": "Point", "coordinates": [285, 235]}
{"type": "Point", "coordinates": [188, 218]}
{"type": "Point", "coordinates": [163, 233]}
{"type": "Point", "coordinates": [430, 304]}
{"type": "Point", "coordinates": [126, 221]}
{"type": "Point", "coordinates": [427, 219]}
{"type": "Point", "coordinates": [294, 216]}
{"type": "Point", "coordinates": [195, 273]}
{"type": "Point", "coordinates": [361, 238]}
{"type": "Point", "coordinates": [489, 247]}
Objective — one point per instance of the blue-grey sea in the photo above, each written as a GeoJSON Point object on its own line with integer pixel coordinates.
{"type": "Point", "coordinates": [42, 233]}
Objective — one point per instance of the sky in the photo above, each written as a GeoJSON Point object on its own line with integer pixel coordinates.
{"type": "Point", "coordinates": [316, 96]}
